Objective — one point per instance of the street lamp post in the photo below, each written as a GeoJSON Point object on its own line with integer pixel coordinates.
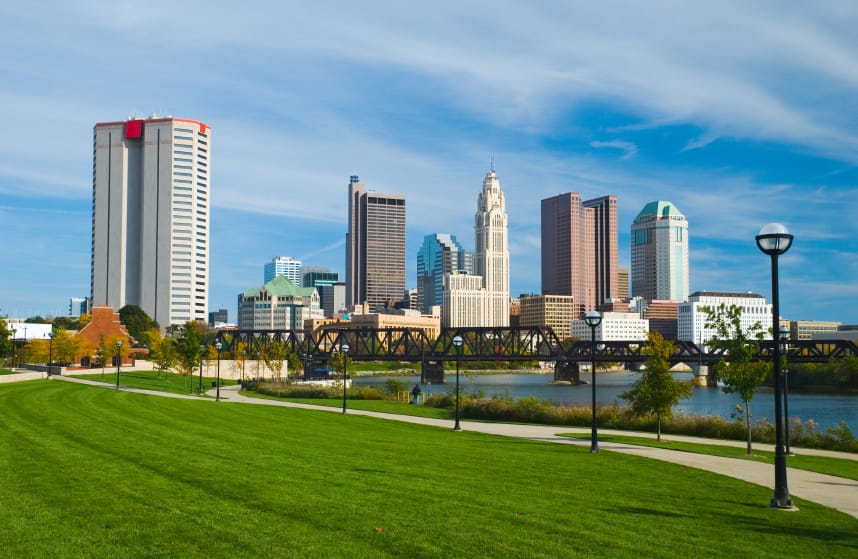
{"type": "Point", "coordinates": [50, 350]}
{"type": "Point", "coordinates": [775, 239]}
{"type": "Point", "coordinates": [784, 336]}
{"type": "Point", "coordinates": [202, 354]}
{"type": "Point", "coordinates": [457, 341]}
{"type": "Point", "coordinates": [218, 346]}
{"type": "Point", "coordinates": [345, 350]}
{"type": "Point", "coordinates": [118, 360]}
{"type": "Point", "coordinates": [14, 353]}
{"type": "Point", "coordinates": [593, 319]}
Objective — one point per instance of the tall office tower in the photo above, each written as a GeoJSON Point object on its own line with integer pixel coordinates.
{"type": "Point", "coordinates": [318, 277]}
{"type": "Point", "coordinates": [441, 254]}
{"type": "Point", "coordinates": [660, 253]}
{"type": "Point", "coordinates": [579, 249]}
{"type": "Point", "coordinates": [375, 247]}
{"type": "Point", "coordinates": [283, 266]}
{"type": "Point", "coordinates": [150, 217]}
{"type": "Point", "coordinates": [491, 249]}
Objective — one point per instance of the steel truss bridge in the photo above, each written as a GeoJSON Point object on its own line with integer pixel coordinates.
{"type": "Point", "coordinates": [495, 344]}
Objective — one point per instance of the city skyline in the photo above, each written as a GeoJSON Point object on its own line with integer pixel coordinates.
{"type": "Point", "coordinates": [739, 114]}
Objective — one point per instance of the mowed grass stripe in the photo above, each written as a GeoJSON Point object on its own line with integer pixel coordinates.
{"type": "Point", "coordinates": [91, 472]}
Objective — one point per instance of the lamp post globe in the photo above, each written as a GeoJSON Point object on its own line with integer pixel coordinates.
{"type": "Point", "coordinates": [218, 346]}
{"type": "Point", "coordinates": [118, 360]}
{"type": "Point", "coordinates": [593, 319]}
{"type": "Point", "coordinates": [457, 342]}
{"type": "Point", "coordinates": [775, 239]}
{"type": "Point", "coordinates": [345, 349]}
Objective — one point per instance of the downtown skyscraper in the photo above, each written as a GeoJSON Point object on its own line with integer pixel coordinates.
{"type": "Point", "coordinates": [440, 255]}
{"type": "Point", "coordinates": [579, 249]}
{"type": "Point", "coordinates": [375, 247]}
{"type": "Point", "coordinates": [491, 249]}
{"type": "Point", "coordinates": [660, 253]}
{"type": "Point", "coordinates": [150, 217]}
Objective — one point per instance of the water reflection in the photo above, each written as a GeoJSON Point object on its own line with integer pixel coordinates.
{"type": "Point", "coordinates": [827, 410]}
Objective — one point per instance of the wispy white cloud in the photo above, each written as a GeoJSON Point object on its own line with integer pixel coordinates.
{"type": "Point", "coordinates": [628, 148]}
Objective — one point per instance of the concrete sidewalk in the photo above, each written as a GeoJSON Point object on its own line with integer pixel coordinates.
{"type": "Point", "coordinates": [830, 491]}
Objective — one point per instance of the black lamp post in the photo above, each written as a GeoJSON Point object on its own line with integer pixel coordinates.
{"type": "Point", "coordinates": [593, 319]}
{"type": "Point", "coordinates": [784, 336]}
{"type": "Point", "coordinates": [14, 353]}
{"type": "Point", "coordinates": [50, 350]}
{"type": "Point", "coordinates": [457, 341]}
{"type": "Point", "coordinates": [345, 350]}
{"type": "Point", "coordinates": [118, 360]}
{"type": "Point", "coordinates": [202, 354]}
{"type": "Point", "coordinates": [218, 346]}
{"type": "Point", "coordinates": [775, 239]}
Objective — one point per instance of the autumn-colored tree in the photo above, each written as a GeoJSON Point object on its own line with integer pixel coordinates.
{"type": "Point", "coordinates": [275, 353]}
{"type": "Point", "coordinates": [737, 371]}
{"type": "Point", "coordinates": [657, 391]}
{"type": "Point", "coordinates": [66, 347]}
{"type": "Point", "coordinates": [239, 358]}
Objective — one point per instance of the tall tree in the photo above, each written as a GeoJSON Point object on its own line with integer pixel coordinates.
{"type": "Point", "coordinates": [137, 322]}
{"type": "Point", "coordinates": [737, 371]}
{"type": "Point", "coordinates": [657, 391]}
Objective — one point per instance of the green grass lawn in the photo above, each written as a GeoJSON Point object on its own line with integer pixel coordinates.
{"type": "Point", "coordinates": [152, 380]}
{"type": "Point", "coordinates": [842, 467]}
{"type": "Point", "coordinates": [89, 472]}
{"type": "Point", "coordinates": [8, 372]}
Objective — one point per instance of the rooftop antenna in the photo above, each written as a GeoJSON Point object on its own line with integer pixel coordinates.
{"type": "Point", "coordinates": [492, 163]}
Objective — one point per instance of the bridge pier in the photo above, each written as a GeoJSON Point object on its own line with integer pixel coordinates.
{"type": "Point", "coordinates": [703, 375]}
{"type": "Point", "coordinates": [432, 371]}
{"type": "Point", "coordinates": [568, 371]}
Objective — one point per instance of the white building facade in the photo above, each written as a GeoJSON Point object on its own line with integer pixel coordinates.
{"type": "Point", "coordinates": [660, 253]}
{"type": "Point", "coordinates": [466, 303]}
{"type": "Point", "coordinates": [691, 318]}
{"type": "Point", "coordinates": [615, 326]}
{"type": "Point", "coordinates": [491, 249]}
{"type": "Point", "coordinates": [151, 204]}
{"type": "Point", "coordinates": [278, 305]}
{"type": "Point", "coordinates": [283, 266]}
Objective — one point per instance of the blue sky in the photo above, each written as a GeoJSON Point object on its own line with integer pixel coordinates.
{"type": "Point", "coordinates": [739, 113]}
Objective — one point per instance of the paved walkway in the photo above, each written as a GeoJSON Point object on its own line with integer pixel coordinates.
{"type": "Point", "coordinates": [834, 492]}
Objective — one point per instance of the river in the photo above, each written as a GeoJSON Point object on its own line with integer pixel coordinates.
{"type": "Point", "coordinates": [826, 410]}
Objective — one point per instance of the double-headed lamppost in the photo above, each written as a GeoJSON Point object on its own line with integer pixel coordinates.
{"type": "Point", "coordinates": [593, 319]}
{"type": "Point", "coordinates": [457, 341]}
{"type": "Point", "coordinates": [775, 239]}
{"type": "Point", "coordinates": [784, 336]}
{"type": "Point", "coordinates": [218, 347]}
{"type": "Point", "coordinates": [118, 360]}
{"type": "Point", "coordinates": [345, 350]}
{"type": "Point", "coordinates": [202, 355]}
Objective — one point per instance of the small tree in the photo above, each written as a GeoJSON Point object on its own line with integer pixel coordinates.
{"type": "Point", "coordinates": [274, 355]}
{"type": "Point", "coordinates": [239, 358]}
{"type": "Point", "coordinates": [737, 371]}
{"type": "Point", "coordinates": [657, 391]}
{"type": "Point", "coordinates": [293, 362]}
{"type": "Point", "coordinates": [163, 354]}
{"type": "Point", "coordinates": [187, 345]}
